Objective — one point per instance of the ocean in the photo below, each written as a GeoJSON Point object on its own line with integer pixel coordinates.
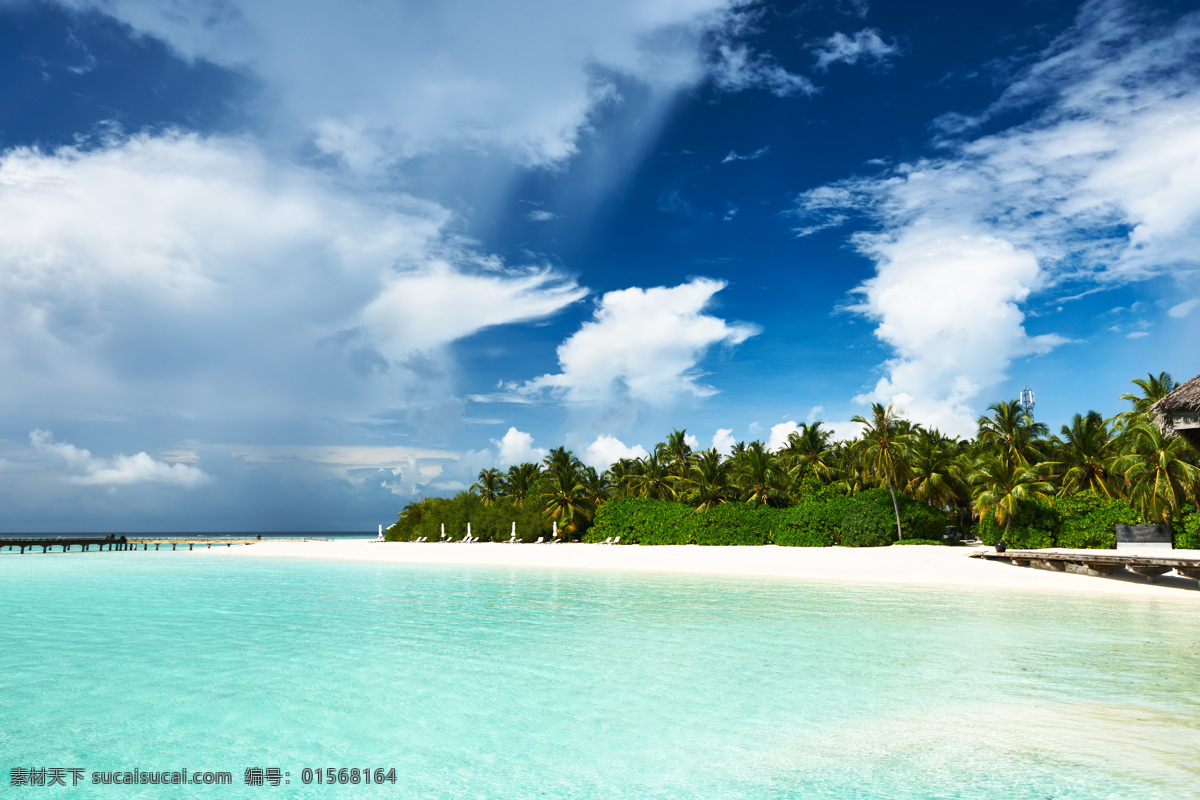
{"type": "Point", "coordinates": [299, 678]}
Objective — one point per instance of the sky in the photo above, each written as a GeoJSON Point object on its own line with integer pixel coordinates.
{"type": "Point", "coordinates": [273, 265]}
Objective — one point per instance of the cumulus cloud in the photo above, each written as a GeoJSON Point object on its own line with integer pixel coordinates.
{"type": "Point", "coordinates": [864, 46]}
{"type": "Point", "coordinates": [120, 470]}
{"type": "Point", "coordinates": [126, 269]}
{"type": "Point", "coordinates": [373, 82]}
{"type": "Point", "coordinates": [780, 433]}
{"type": "Point", "coordinates": [643, 345]}
{"type": "Point", "coordinates": [516, 447]}
{"type": "Point", "coordinates": [1100, 186]}
{"type": "Point", "coordinates": [723, 441]}
{"type": "Point", "coordinates": [608, 450]}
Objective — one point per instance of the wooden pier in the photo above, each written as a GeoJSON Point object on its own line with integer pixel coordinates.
{"type": "Point", "coordinates": [1097, 562]}
{"type": "Point", "coordinates": [48, 543]}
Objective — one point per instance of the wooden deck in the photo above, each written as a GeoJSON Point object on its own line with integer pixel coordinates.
{"type": "Point", "coordinates": [1098, 562]}
{"type": "Point", "coordinates": [49, 543]}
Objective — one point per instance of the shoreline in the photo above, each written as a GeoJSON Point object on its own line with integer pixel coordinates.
{"type": "Point", "coordinates": [908, 565]}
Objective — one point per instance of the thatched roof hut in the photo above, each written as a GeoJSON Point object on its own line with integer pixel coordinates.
{"type": "Point", "coordinates": [1179, 412]}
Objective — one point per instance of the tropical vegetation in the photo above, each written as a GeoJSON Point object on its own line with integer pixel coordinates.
{"type": "Point", "coordinates": [897, 481]}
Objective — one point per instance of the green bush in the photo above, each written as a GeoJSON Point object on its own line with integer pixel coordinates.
{"type": "Point", "coordinates": [918, 520]}
{"type": "Point", "coordinates": [489, 523]}
{"type": "Point", "coordinates": [1089, 520]}
{"type": "Point", "coordinates": [813, 522]}
{"type": "Point", "coordinates": [1033, 527]}
{"type": "Point", "coordinates": [940, 542]}
{"type": "Point", "coordinates": [1189, 538]}
{"type": "Point", "coordinates": [638, 520]}
{"type": "Point", "coordinates": [732, 524]}
{"type": "Point", "coordinates": [868, 525]}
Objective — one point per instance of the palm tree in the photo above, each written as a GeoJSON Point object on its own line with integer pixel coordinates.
{"type": "Point", "coordinates": [521, 481]}
{"type": "Point", "coordinates": [1010, 433]}
{"type": "Point", "coordinates": [564, 499]}
{"type": "Point", "coordinates": [594, 485]}
{"type": "Point", "coordinates": [759, 474]}
{"type": "Point", "coordinates": [886, 446]}
{"type": "Point", "coordinates": [489, 486]}
{"type": "Point", "coordinates": [654, 478]}
{"type": "Point", "coordinates": [1153, 389]}
{"type": "Point", "coordinates": [1157, 471]}
{"type": "Point", "coordinates": [1086, 455]}
{"type": "Point", "coordinates": [809, 450]}
{"type": "Point", "coordinates": [1001, 485]}
{"type": "Point", "coordinates": [621, 476]}
{"type": "Point", "coordinates": [675, 451]}
{"type": "Point", "coordinates": [937, 475]}
{"type": "Point", "coordinates": [560, 459]}
{"type": "Point", "coordinates": [708, 476]}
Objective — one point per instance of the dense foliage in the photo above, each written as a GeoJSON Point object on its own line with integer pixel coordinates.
{"type": "Point", "coordinates": [898, 481]}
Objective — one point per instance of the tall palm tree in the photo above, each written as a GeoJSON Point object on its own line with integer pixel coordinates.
{"type": "Point", "coordinates": [564, 499]}
{"type": "Point", "coordinates": [675, 451]}
{"type": "Point", "coordinates": [1154, 388]}
{"type": "Point", "coordinates": [1157, 471]}
{"type": "Point", "coordinates": [521, 481]}
{"type": "Point", "coordinates": [654, 478]}
{"type": "Point", "coordinates": [1001, 484]}
{"type": "Point", "coordinates": [708, 476]}
{"type": "Point", "coordinates": [595, 486]}
{"type": "Point", "coordinates": [560, 459]}
{"type": "Point", "coordinates": [937, 476]}
{"type": "Point", "coordinates": [490, 485]}
{"type": "Point", "coordinates": [886, 448]}
{"type": "Point", "coordinates": [809, 450]}
{"type": "Point", "coordinates": [621, 477]}
{"type": "Point", "coordinates": [1010, 433]}
{"type": "Point", "coordinates": [759, 474]}
{"type": "Point", "coordinates": [1086, 454]}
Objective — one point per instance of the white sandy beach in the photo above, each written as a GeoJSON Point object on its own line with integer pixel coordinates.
{"type": "Point", "coordinates": [911, 564]}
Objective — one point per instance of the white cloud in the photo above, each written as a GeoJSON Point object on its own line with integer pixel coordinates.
{"type": "Point", "coordinates": [642, 345]}
{"type": "Point", "coordinates": [691, 441]}
{"type": "Point", "coordinates": [1101, 186]}
{"type": "Point", "coordinates": [780, 433]}
{"type": "Point", "coordinates": [607, 450]}
{"type": "Point", "coordinates": [135, 272]}
{"type": "Point", "coordinates": [373, 82]}
{"type": "Point", "coordinates": [946, 301]}
{"type": "Point", "coordinates": [723, 441]}
{"type": "Point", "coordinates": [814, 413]}
{"type": "Point", "coordinates": [735, 156]}
{"type": "Point", "coordinates": [739, 68]}
{"type": "Point", "coordinates": [516, 447]}
{"type": "Point", "coordinates": [865, 45]}
{"type": "Point", "coordinates": [540, 215]}
{"type": "Point", "coordinates": [120, 470]}
{"type": "Point", "coordinates": [1181, 310]}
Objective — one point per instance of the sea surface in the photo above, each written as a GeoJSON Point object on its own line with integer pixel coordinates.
{"type": "Point", "coordinates": [506, 683]}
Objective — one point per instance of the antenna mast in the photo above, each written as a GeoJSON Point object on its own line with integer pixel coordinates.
{"type": "Point", "coordinates": [1027, 402]}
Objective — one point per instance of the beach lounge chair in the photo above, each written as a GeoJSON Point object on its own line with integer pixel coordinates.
{"type": "Point", "coordinates": [540, 540]}
{"type": "Point", "coordinates": [607, 541]}
{"type": "Point", "coordinates": [617, 540]}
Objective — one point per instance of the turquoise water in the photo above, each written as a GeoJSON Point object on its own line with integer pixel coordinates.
{"type": "Point", "coordinates": [503, 683]}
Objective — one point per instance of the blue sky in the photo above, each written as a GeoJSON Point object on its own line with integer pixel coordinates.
{"type": "Point", "coordinates": [287, 266]}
